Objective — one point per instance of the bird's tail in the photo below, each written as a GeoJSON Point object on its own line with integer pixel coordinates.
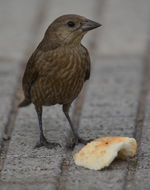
{"type": "Point", "coordinates": [24, 103]}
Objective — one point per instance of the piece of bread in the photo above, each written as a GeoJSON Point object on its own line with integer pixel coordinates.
{"type": "Point", "coordinates": [101, 152]}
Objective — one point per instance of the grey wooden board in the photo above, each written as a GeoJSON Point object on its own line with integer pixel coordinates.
{"type": "Point", "coordinates": [17, 21]}
{"type": "Point", "coordinates": [114, 87]}
{"type": "Point", "coordinates": [24, 163]}
{"type": "Point", "coordinates": [141, 177]}
{"type": "Point", "coordinates": [125, 27]}
{"type": "Point", "coordinates": [27, 186]}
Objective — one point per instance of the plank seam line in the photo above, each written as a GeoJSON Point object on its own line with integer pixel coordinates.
{"type": "Point", "coordinates": [15, 101]}
{"type": "Point", "coordinates": [50, 181]}
{"type": "Point", "coordinates": [139, 120]}
{"type": "Point", "coordinates": [9, 126]}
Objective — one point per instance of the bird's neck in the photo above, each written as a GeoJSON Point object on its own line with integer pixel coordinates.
{"type": "Point", "coordinates": [50, 44]}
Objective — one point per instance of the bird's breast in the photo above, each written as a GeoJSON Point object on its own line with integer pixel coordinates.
{"type": "Point", "coordinates": [62, 83]}
{"type": "Point", "coordinates": [70, 78]}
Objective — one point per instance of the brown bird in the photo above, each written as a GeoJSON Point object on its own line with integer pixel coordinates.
{"type": "Point", "coordinates": [57, 69]}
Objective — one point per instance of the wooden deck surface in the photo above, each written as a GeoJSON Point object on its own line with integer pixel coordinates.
{"type": "Point", "coordinates": [116, 101]}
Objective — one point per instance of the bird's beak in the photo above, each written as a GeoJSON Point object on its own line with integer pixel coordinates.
{"type": "Point", "coordinates": [90, 25]}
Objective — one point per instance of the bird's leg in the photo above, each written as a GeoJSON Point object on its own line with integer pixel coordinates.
{"type": "Point", "coordinates": [76, 139]}
{"type": "Point", "coordinates": [43, 140]}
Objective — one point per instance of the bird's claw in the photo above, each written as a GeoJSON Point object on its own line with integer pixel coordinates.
{"type": "Point", "coordinates": [76, 140]}
{"type": "Point", "coordinates": [83, 141]}
{"type": "Point", "coordinates": [47, 144]}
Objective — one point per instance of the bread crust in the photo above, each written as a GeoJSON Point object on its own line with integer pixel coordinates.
{"type": "Point", "coordinates": [101, 152]}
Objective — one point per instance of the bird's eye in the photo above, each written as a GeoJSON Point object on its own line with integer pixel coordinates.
{"type": "Point", "coordinates": [71, 24]}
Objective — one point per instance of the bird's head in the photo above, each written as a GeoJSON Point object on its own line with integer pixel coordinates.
{"type": "Point", "coordinates": [69, 29]}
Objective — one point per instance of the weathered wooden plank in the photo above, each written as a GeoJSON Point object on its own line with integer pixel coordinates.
{"type": "Point", "coordinates": [138, 172]}
{"type": "Point", "coordinates": [125, 30]}
{"type": "Point", "coordinates": [9, 71]}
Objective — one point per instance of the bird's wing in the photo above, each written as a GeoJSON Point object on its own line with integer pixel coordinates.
{"type": "Point", "coordinates": [34, 65]}
{"type": "Point", "coordinates": [40, 64]}
{"type": "Point", "coordinates": [87, 62]}
{"type": "Point", "coordinates": [30, 75]}
{"type": "Point", "coordinates": [87, 75]}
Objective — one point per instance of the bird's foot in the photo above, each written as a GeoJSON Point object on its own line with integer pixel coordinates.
{"type": "Point", "coordinates": [47, 144]}
{"type": "Point", "coordinates": [83, 141]}
{"type": "Point", "coordinates": [76, 140]}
